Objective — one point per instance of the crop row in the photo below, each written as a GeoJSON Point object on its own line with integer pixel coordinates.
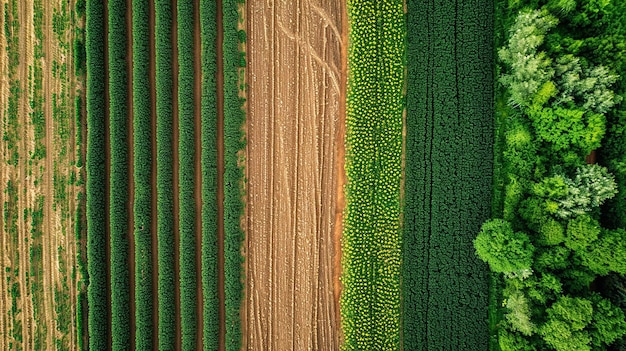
{"type": "Point", "coordinates": [448, 174]}
{"type": "Point", "coordinates": [142, 169]}
{"type": "Point", "coordinates": [118, 194]}
{"type": "Point", "coordinates": [165, 194]}
{"type": "Point", "coordinates": [96, 181]}
{"type": "Point", "coordinates": [234, 117]}
{"type": "Point", "coordinates": [187, 183]}
{"type": "Point", "coordinates": [208, 28]}
{"type": "Point", "coordinates": [370, 302]}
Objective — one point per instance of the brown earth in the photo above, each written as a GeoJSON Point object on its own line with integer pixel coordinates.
{"type": "Point", "coordinates": [175, 168]}
{"type": "Point", "coordinates": [51, 288]}
{"type": "Point", "coordinates": [295, 61]}
{"type": "Point", "coordinates": [198, 170]}
{"type": "Point", "coordinates": [4, 92]}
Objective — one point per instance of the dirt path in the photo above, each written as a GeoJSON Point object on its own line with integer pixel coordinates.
{"type": "Point", "coordinates": [175, 169]}
{"type": "Point", "coordinates": [23, 182]}
{"type": "Point", "coordinates": [131, 172]}
{"type": "Point", "coordinates": [294, 74]}
{"type": "Point", "coordinates": [154, 215]}
{"type": "Point", "coordinates": [49, 242]}
{"type": "Point", "coordinates": [341, 172]}
{"type": "Point", "coordinates": [4, 262]}
{"type": "Point", "coordinates": [197, 95]}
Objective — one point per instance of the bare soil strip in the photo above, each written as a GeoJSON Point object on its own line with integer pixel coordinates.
{"type": "Point", "coordinates": [131, 170]}
{"type": "Point", "coordinates": [340, 170]}
{"type": "Point", "coordinates": [220, 176]}
{"type": "Point", "coordinates": [26, 57]}
{"type": "Point", "coordinates": [50, 234]}
{"type": "Point", "coordinates": [197, 94]}
{"type": "Point", "coordinates": [155, 251]}
{"type": "Point", "coordinates": [4, 262]}
{"type": "Point", "coordinates": [176, 170]}
{"type": "Point", "coordinates": [295, 52]}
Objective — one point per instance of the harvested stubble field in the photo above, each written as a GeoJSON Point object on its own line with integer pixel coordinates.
{"type": "Point", "coordinates": [41, 178]}
{"type": "Point", "coordinates": [294, 158]}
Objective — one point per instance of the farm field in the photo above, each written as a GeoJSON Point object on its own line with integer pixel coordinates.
{"type": "Point", "coordinates": [42, 238]}
{"type": "Point", "coordinates": [313, 175]}
{"type": "Point", "coordinates": [448, 174]}
{"type": "Point", "coordinates": [295, 52]}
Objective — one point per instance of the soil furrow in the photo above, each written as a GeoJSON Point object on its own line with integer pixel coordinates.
{"type": "Point", "coordinates": [25, 48]}
{"type": "Point", "coordinates": [5, 325]}
{"type": "Point", "coordinates": [197, 94]}
{"type": "Point", "coordinates": [49, 237]}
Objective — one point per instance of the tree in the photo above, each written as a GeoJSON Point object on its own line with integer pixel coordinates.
{"type": "Point", "coordinates": [529, 68]}
{"type": "Point", "coordinates": [607, 254]}
{"type": "Point", "coordinates": [608, 322]}
{"type": "Point", "coordinates": [567, 319]}
{"type": "Point", "coordinates": [581, 232]}
{"type": "Point", "coordinates": [503, 249]}
{"type": "Point", "coordinates": [592, 186]}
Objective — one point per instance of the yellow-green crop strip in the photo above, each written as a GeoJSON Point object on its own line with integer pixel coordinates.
{"type": "Point", "coordinates": [370, 302]}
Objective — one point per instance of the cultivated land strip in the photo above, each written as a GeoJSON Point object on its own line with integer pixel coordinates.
{"type": "Point", "coordinates": [131, 171]}
{"type": "Point", "coordinates": [4, 91]}
{"type": "Point", "coordinates": [175, 175]}
{"type": "Point", "coordinates": [39, 283]}
{"type": "Point", "coordinates": [154, 226]}
{"type": "Point", "coordinates": [448, 174]}
{"type": "Point", "coordinates": [219, 126]}
{"type": "Point", "coordinates": [293, 136]}
{"type": "Point", "coordinates": [26, 52]}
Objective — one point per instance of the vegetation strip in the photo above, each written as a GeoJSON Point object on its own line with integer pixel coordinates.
{"type": "Point", "coordinates": [142, 139]}
{"type": "Point", "coordinates": [554, 249]}
{"type": "Point", "coordinates": [370, 301]}
{"type": "Point", "coordinates": [209, 114]}
{"type": "Point", "coordinates": [186, 149]}
{"type": "Point", "coordinates": [165, 205]}
{"type": "Point", "coordinates": [448, 174]}
{"type": "Point", "coordinates": [234, 142]}
{"type": "Point", "coordinates": [118, 114]}
{"type": "Point", "coordinates": [96, 181]}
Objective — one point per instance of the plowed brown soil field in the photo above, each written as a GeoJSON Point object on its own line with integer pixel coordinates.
{"type": "Point", "coordinates": [294, 169]}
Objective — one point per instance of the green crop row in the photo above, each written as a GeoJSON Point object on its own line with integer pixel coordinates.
{"type": "Point", "coordinates": [210, 308]}
{"type": "Point", "coordinates": [370, 301]}
{"type": "Point", "coordinates": [186, 175]}
{"type": "Point", "coordinates": [118, 195]}
{"type": "Point", "coordinates": [142, 169]}
{"type": "Point", "coordinates": [165, 172]}
{"type": "Point", "coordinates": [78, 124]}
{"type": "Point", "coordinates": [234, 142]}
{"type": "Point", "coordinates": [96, 182]}
{"type": "Point", "coordinates": [449, 160]}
